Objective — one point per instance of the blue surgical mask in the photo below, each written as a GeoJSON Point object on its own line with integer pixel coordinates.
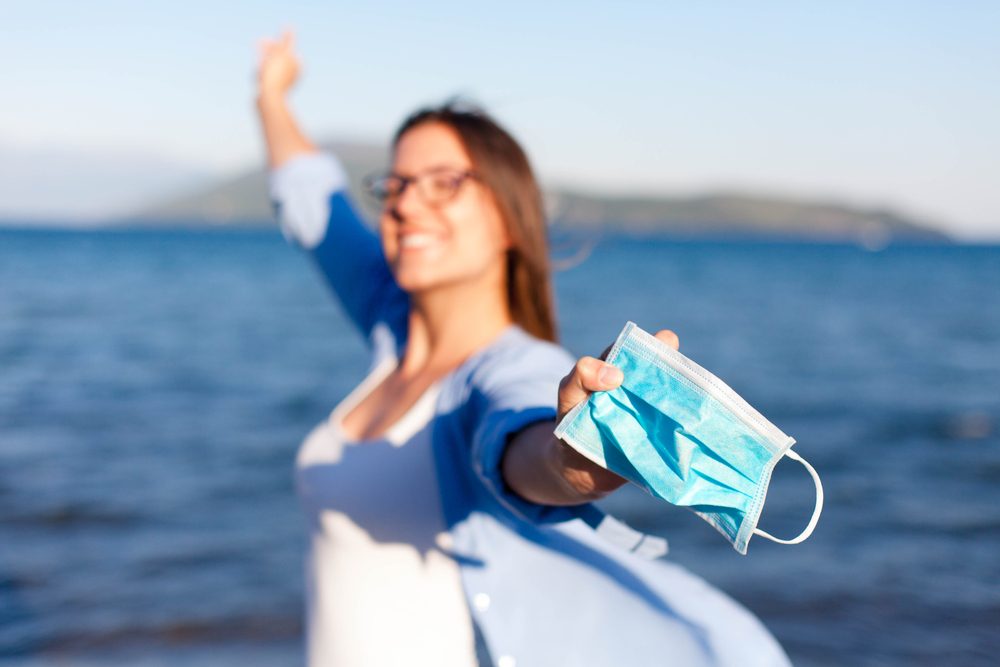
{"type": "Point", "coordinates": [683, 435]}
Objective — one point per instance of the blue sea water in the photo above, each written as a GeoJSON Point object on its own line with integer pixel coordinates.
{"type": "Point", "coordinates": [154, 387]}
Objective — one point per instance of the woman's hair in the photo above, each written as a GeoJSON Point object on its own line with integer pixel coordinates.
{"type": "Point", "coordinates": [503, 167]}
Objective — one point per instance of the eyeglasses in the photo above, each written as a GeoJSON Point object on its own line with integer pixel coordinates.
{"type": "Point", "coordinates": [435, 186]}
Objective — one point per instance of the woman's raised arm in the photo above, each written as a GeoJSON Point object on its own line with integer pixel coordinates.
{"type": "Point", "coordinates": [309, 192]}
{"type": "Point", "coordinates": [277, 72]}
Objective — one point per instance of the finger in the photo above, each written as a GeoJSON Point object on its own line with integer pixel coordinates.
{"type": "Point", "coordinates": [589, 375]}
{"type": "Point", "coordinates": [669, 337]}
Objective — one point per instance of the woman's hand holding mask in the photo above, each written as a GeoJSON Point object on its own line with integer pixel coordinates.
{"type": "Point", "coordinates": [545, 470]}
{"type": "Point", "coordinates": [589, 375]}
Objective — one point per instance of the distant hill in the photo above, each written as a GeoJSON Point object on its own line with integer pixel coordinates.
{"type": "Point", "coordinates": [86, 185]}
{"type": "Point", "coordinates": [738, 214]}
{"type": "Point", "coordinates": [242, 200]}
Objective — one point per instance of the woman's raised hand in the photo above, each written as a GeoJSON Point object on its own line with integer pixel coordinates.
{"type": "Point", "coordinates": [278, 67]}
{"type": "Point", "coordinates": [277, 72]}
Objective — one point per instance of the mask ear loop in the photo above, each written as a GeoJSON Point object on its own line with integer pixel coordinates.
{"type": "Point", "coordinates": [816, 512]}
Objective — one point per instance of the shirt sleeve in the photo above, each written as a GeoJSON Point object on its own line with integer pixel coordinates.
{"type": "Point", "coordinates": [515, 392]}
{"type": "Point", "coordinates": [312, 204]}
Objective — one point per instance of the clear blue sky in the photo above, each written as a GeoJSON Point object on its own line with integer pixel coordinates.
{"type": "Point", "coordinates": [891, 103]}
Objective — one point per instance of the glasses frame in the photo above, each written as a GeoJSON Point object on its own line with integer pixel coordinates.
{"type": "Point", "coordinates": [422, 183]}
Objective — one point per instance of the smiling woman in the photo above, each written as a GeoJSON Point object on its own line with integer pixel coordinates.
{"type": "Point", "coordinates": [448, 525]}
{"type": "Point", "coordinates": [452, 237]}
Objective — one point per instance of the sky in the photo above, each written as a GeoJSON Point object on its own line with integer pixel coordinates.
{"type": "Point", "coordinates": [874, 103]}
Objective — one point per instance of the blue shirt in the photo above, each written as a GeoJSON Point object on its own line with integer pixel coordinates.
{"type": "Point", "coordinates": [545, 585]}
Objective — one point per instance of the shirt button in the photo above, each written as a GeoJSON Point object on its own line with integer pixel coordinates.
{"type": "Point", "coordinates": [445, 541]}
{"type": "Point", "coordinates": [481, 601]}
{"type": "Point", "coordinates": [506, 661]}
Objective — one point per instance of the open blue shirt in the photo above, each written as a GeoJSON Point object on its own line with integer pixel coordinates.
{"type": "Point", "coordinates": [545, 585]}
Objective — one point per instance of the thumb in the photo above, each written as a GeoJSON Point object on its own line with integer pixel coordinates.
{"type": "Point", "coordinates": [588, 375]}
{"type": "Point", "coordinates": [264, 48]}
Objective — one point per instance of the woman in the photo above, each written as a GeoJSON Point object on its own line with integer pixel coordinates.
{"type": "Point", "coordinates": [448, 525]}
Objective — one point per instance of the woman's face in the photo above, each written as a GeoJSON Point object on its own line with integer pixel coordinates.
{"type": "Point", "coordinates": [459, 240]}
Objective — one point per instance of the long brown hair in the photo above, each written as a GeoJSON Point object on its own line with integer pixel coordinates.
{"type": "Point", "coordinates": [504, 168]}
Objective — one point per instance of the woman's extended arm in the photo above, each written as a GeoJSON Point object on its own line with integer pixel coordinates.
{"type": "Point", "coordinates": [543, 469]}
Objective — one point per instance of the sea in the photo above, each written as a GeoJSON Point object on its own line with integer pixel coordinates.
{"type": "Point", "coordinates": [155, 385]}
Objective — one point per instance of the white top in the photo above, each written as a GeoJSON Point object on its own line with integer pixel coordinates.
{"type": "Point", "coordinates": [379, 590]}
